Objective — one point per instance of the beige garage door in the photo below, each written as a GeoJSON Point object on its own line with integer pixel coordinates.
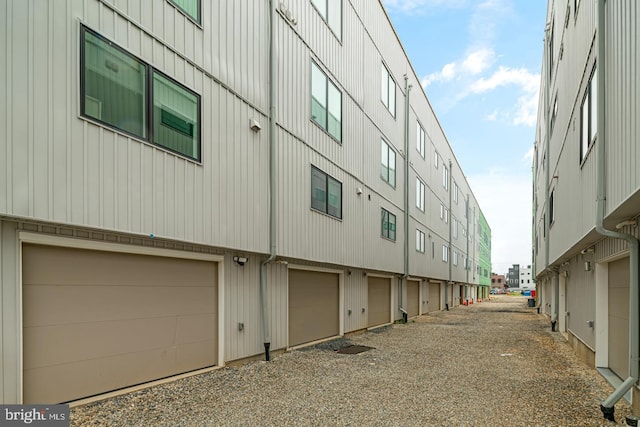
{"type": "Point", "coordinates": [434, 297]}
{"type": "Point", "coordinates": [97, 321]}
{"type": "Point", "coordinates": [379, 294]}
{"type": "Point", "coordinates": [413, 298]}
{"type": "Point", "coordinates": [314, 304]}
{"type": "Point", "coordinates": [619, 317]}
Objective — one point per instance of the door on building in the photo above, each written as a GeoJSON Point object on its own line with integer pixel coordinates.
{"type": "Point", "coordinates": [96, 321]}
{"type": "Point", "coordinates": [619, 317]}
{"type": "Point", "coordinates": [379, 296]}
{"type": "Point", "coordinates": [314, 306]}
{"type": "Point", "coordinates": [413, 298]}
{"type": "Point", "coordinates": [434, 297]}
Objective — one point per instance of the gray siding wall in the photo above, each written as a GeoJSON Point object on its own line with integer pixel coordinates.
{"type": "Point", "coordinates": [63, 169]}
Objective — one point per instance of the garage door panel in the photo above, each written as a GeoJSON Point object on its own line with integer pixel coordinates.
{"type": "Point", "coordinates": [83, 338]}
{"type": "Point", "coordinates": [313, 306]}
{"type": "Point", "coordinates": [618, 306]}
{"type": "Point", "coordinates": [60, 383]}
{"type": "Point", "coordinates": [434, 297]}
{"type": "Point", "coordinates": [83, 267]}
{"type": "Point", "coordinates": [191, 329]}
{"type": "Point", "coordinates": [379, 301]}
{"type": "Point", "coordinates": [55, 305]}
{"type": "Point", "coordinates": [413, 298]}
{"type": "Point", "coordinates": [72, 343]}
{"type": "Point", "coordinates": [195, 354]}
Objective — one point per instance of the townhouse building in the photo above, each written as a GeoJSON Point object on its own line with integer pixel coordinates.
{"type": "Point", "coordinates": [586, 186]}
{"type": "Point", "coordinates": [186, 183]}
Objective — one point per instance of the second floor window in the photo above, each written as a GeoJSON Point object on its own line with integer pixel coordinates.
{"type": "Point", "coordinates": [326, 193]}
{"type": "Point", "coordinates": [420, 187]}
{"type": "Point", "coordinates": [589, 116]}
{"type": "Point", "coordinates": [388, 163]}
{"type": "Point", "coordinates": [388, 225]}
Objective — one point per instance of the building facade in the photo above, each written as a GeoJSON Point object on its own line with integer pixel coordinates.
{"type": "Point", "coordinates": [513, 276]}
{"type": "Point", "coordinates": [498, 281]}
{"type": "Point", "coordinates": [526, 282]}
{"type": "Point", "coordinates": [185, 185]}
{"type": "Point", "coordinates": [484, 260]}
{"type": "Point", "coordinates": [586, 186]}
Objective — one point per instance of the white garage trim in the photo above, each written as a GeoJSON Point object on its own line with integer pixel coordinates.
{"type": "Point", "coordinates": [66, 242]}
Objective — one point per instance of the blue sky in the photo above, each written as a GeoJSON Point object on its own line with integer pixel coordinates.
{"type": "Point", "coordinates": [479, 62]}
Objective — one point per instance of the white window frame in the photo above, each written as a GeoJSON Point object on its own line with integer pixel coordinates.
{"type": "Point", "coordinates": [436, 161]}
{"type": "Point", "coordinates": [445, 253]}
{"type": "Point", "coordinates": [388, 93]}
{"type": "Point", "coordinates": [420, 139]}
{"type": "Point", "coordinates": [420, 194]}
{"type": "Point", "coordinates": [387, 151]}
{"type": "Point", "coordinates": [455, 258]}
{"type": "Point", "coordinates": [445, 178]}
{"type": "Point", "coordinates": [327, 10]}
{"type": "Point", "coordinates": [455, 228]}
{"type": "Point", "coordinates": [419, 241]}
{"type": "Point", "coordinates": [588, 115]}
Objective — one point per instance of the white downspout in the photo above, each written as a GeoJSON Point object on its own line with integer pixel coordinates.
{"type": "Point", "coordinates": [272, 191]}
{"type": "Point", "coordinates": [403, 280]}
{"type": "Point", "coordinates": [607, 406]}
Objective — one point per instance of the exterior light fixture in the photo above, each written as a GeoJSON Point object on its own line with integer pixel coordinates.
{"type": "Point", "coordinates": [240, 260]}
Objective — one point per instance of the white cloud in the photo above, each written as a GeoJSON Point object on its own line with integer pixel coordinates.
{"type": "Point", "coordinates": [508, 76]}
{"type": "Point", "coordinates": [527, 104]}
{"type": "Point", "coordinates": [418, 6]}
{"type": "Point", "coordinates": [505, 200]}
{"type": "Point", "coordinates": [474, 63]}
{"type": "Point", "coordinates": [493, 116]}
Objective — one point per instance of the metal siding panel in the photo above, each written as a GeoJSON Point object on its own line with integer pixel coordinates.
{"type": "Point", "coordinates": [6, 173]}
{"type": "Point", "coordinates": [10, 362]}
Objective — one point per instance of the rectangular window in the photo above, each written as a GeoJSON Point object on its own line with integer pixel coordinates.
{"type": "Point", "coordinates": [433, 250]}
{"type": "Point", "coordinates": [445, 178]}
{"type": "Point", "coordinates": [326, 103]}
{"type": "Point", "coordinates": [589, 116]}
{"type": "Point", "coordinates": [117, 89]}
{"type": "Point", "coordinates": [551, 208]}
{"type": "Point", "coordinates": [388, 91]}
{"type": "Point", "coordinates": [388, 163]}
{"type": "Point", "coordinates": [455, 258]}
{"type": "Point", "coordinates": [326, 193]}
{"type": "Point", "coordinates": [446, 215]}
{"type": "Point", "coordinates": [554, 115]}
{"type": "Point", "coordinates": [441, 211]}
{"type": "Point", "coordinates": [455, 229]}
{"type": "Point", "coordinates": [175, 117]}
{"type": "Point", "coordinates": [435, 159]}
{"type": "Point", "coordinates": [420, 139]}
{"type": "Point", "coordinates": [455, 193]}
{"type": "Point", "coordinates": [550, 49]}
{"type": "Point", "coordinates": [388, 225]}
{"type": "Point", "coordinates": [190, 7]}
{"type": "Point", "coordinates": [331, 12]}
{"type": "Point", "coordinates": [420, 188]}
{"type": "Point", "coordinates": [419, 241]}
{"type": "Point", "coordinates": [445, 253]}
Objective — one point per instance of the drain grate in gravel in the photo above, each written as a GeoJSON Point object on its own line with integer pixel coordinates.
{"type": "Point", "coordinates": [354, 349]}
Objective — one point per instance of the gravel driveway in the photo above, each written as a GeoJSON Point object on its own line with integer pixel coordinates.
{"type": "Point", "coordinates": [491, 364]}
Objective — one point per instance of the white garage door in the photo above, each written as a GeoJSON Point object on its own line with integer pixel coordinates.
{"type": "Point", "coordinates": [619, 317]}
{"type": "Point", "coordinates": [97, 321]}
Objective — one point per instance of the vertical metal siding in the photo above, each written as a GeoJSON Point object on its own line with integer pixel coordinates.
{"type": "Point", "coordinates": [623, 105]}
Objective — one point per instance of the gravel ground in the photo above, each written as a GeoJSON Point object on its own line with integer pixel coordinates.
{"type": "Point", "coordinates": [491, 364]}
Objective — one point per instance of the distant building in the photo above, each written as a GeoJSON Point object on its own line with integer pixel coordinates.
{"type": "Point", "coordinates": [498, 281]}
{"type": "Point", "coordinates": [513, 276]}
{"type": "Point", "coordinates": [525, 277]}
